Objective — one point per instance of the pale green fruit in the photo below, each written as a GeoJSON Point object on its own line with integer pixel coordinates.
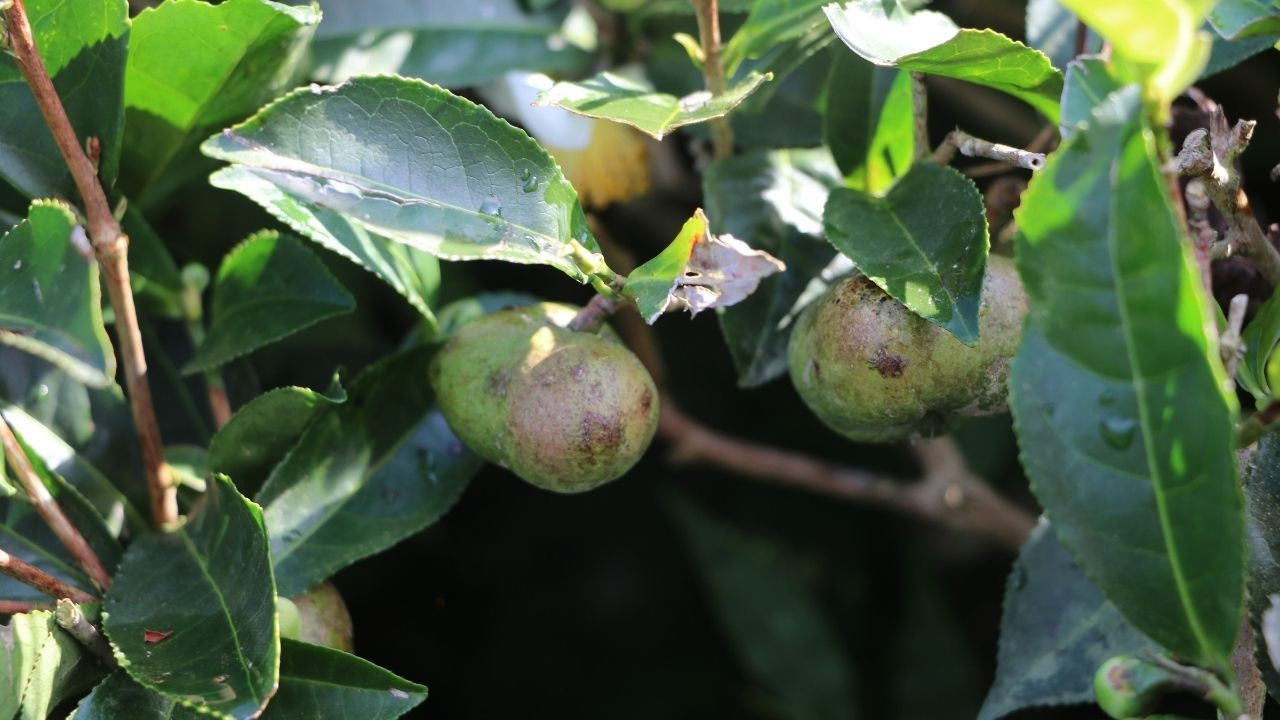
{"type": "Point", "coordinates": [874, 371]}
{"type": "Point", "coordinates": [1127, 686]}
{"type": "Point", "coordinates": [322, 618]}
{"type": "Point", "coordinates": [289, 619]}
{"type": "Point", "coordinates": [566, 411]}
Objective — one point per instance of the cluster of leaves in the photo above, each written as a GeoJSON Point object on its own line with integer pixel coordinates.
{"type": "Point", "coordinates": [1125, 429]}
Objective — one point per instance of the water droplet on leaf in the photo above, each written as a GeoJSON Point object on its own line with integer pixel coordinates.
{"type": "Point", "coordinates": [530, 184]}
{"type": "Point", "coordinates": [1118, 431]}
{"type": "Point", "coordinates": [491, 206]}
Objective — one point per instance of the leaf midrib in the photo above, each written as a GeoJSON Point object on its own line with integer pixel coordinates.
{"type": "Point", "coordinates": [955, 307]}
{"type": "Point", "coordinates": [367, 187]}
{"type": "Point", "coordinates": [1144, 420]}
{"type": "Point", "coordinates": [189, 545]}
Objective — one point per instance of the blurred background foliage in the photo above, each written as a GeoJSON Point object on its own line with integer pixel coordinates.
{"type": "Point", "coordinates": [679, 591]}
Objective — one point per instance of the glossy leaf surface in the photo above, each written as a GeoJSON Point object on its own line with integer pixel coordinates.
{"type": "Point", "coordinates": [191, 613]}
{"type": "Point", "coordinates": [1117, 391]}
{"type": "Point", "coordinates": [416, 164]}
{"type": "Point", "coordinates": [268, 287]}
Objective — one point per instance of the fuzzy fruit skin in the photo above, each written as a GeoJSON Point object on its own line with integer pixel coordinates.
{"type": "Point", "coordinates": [566, 411]}
{"type": "Point", "coordinates": [1128, 687]}
{"type": "Point", "coordinates": [874, 371]}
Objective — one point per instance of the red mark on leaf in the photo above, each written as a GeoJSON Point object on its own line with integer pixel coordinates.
{"type": "Point", "coordinates": [155, 636]}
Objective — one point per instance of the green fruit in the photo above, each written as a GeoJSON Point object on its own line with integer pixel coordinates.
{"type": "Point", "coordinates": [289, 619]}
{"type": "Point", "coordinates": [322, 618]}
{"type": "Point", "coordinates": [1128, 687]}
{"type": "Point", "coordinates": [566, 411]}
{"type": "Point", "coordinates": [874, 371]}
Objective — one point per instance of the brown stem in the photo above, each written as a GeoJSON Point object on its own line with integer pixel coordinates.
{"type": "Point", "coordinates": [591, 317]}
{"type": "Point", "coordinates": [219, 405]}
{"type": "Point", "coordinates": [112, 248]}
{"type": "Point", "coordinates": [920, 115]}
{"type": "Point", "coordinates": [708, 14]}
{"type": "Point", "coordinates": [29, 574]}
{"type": "Point", "coordinates": [948, 495]}
{"type": "Point", "coordinates": [49, 510]}
{"type": "Point", "coordinates": [1210, 154]}
{"type": "Point", "coordinates": [1082, 38]}
{"type": "Point", "coordinates": [15, 607]}
{"type": "Point", "coordinates": [70, 618]}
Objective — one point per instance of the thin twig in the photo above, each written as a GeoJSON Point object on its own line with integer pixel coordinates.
{"type": "Point", "coordinates": [920, 115]}
{"type": "Point", "coordinates": [70, 618]}
{"type": "Point", "coordinates": [708, 14]}
{"type": "Point", "coordinates": [948, 495]}
{"type": "Point", "coordinates": [597, 310]}
{"type": "Point", "coordinates": [49, 509]}
{"type": "Point", "coordinates": [1230, 345]}
{"type": "Point", "coordinates": [29, 574]}
{"type": "Point", "coordinates": [971, 146]}
{"type": "Point", "coordinates": [1210, 154]}
{"type": "Point", "coordinates": [112, 247]}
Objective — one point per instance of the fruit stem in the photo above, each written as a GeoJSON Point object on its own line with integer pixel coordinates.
{"type": "Point", "coordinates": [591, 317]}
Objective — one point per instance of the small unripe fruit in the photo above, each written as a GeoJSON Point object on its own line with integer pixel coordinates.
{"type": "Point", "coordinates": [318, 616]}
{"type": "Point", "coordinates": [874, 371]}
{"type": "Point", "coordinates": [566, 411]}
{"type": "Point", "coordinates": [1128, 687]}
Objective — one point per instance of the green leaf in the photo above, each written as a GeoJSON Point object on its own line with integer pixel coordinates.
{"type": "Point", "coordinates": [1260, 338]}
{"type": "Point", "coordinates": [50, 395]}
{"type": "Point", "coordinates": [106, 498]}
{"type": "Point", "coordinates": [154, 277]}
{"type": "Point", "coordinates": [610, 96]}
{"type": "Point", "coordinates": [412, 273]}
{"type": "Point", "coordinates": [776, 199]}
{"type": "Point", "coordinates": [1262, 500]}
{"type": "Point", "coordinates": [260, 434]}
{"type": "Point", "coordinates": [1229, 53]}
{"type": "Point", "coordinates": [191, 612]}
{"type": "Point", "coordinates": [449, 44]}
{"type": "Point", "coordinates": [651, 284]}
{"type": "Point", "coordinates": [365, 475]}
{"type": "Point", "coordinates": [26, 536]}
{"type": "Point", "coordinates": [1052, 29]}
{"type": "Point", "coordinates": [249, 51]}
{"type": "Point", "coordinates": [50, 302]}
{"type": "Point", "coordinates": [468, 186]}
{"type": "Point", "coordinates": [268, 287]}
{"type": "Point", "coordinates": [770, 24]}
{"type": "Point", "coordinates": [868, 122]}
{"type": "Point", "coordinates": [1089, 81]}
{"type": "Point", "coordinates": [1158, 42]}
{"type": "Point", "coordinates": [883, 32]}
{"type": "Point", "coordinates": [40, 665]}
{"type": "Point", "coordinates": [120, 697]}
{"type": "Point", "coordinates": [1056, 630]}
{"type": "Point", "coordinates": [1234, 19]}
{"type": "Point", "coordinates": [320, 682]}
{"type": "Point", "coordinates": [925, 243]}
{"type": "Point", "coordinates": [782, 636]}
{"type": "Point", "coordinates": [1117, 392]}
{"type": "Point", "coordinates": [83, 44]}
